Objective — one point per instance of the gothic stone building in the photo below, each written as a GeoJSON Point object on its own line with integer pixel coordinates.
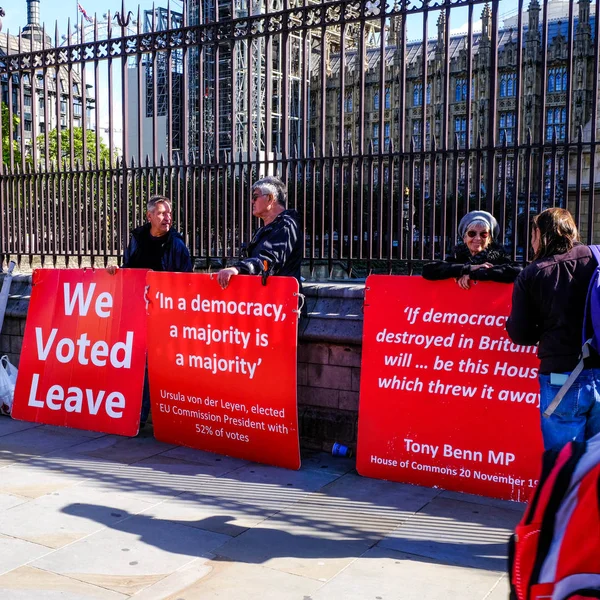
{"type": "Point", "coordinates": [375, 101]}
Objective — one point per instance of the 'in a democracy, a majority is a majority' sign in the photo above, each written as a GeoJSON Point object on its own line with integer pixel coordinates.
{"type": "Point", "coordinates": [446, 399]}
{"type": "Point", "coordinates": [222, 365]}
{"type": "Point", "coordinates": [83, 355]}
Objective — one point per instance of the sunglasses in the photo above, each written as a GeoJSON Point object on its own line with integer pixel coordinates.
{"type": "Point", "coordinates": [482, 234]}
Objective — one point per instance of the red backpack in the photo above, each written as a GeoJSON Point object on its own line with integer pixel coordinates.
{"type": "Point", "coordinates": [554, 553]}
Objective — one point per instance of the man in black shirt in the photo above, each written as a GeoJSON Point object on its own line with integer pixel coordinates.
{"type": "Point", "coordinates": [158, 247]}
{"type": "Point", "coordinates": [155, 245]}
{"type": "Point", "coordinates": [278, 245]}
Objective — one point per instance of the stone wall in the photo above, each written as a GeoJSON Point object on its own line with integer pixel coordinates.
{"type": "Point", "coordinates": [13, 328]}
{"type": "Point", "coordinates": [329, 353]}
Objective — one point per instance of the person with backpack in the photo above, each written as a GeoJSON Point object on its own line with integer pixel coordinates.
{"type": "Point", "coordinates": [548, 308]}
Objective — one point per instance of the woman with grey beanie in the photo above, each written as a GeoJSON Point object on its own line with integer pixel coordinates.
{"type": "Point", "coordinates": [478, 257]}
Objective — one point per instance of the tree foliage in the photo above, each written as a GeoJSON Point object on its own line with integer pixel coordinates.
{"type": "Point", "coordinates": [6, 137]}
{"type": "Point", "coordinates": [76, 134]}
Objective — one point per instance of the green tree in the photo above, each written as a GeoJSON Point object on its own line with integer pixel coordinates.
{"type": "Point", "coordinates": [6, 138]}
{"type": "Point", "coordinates": [76, 134]}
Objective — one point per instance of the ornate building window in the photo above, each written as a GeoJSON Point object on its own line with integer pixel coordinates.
{"type": "Point", "coordinates": [418, 94]}
{"type": "Point", "coordinates": [506, 125]}
{"type": "Point", "coordinates": [376, 99]}
{"type": "Point", "coordinates": [375, 138]}
{"type": "Point", "coordinates": [428, 99]}
{"type": "Point", "coordinates": [559, 177]}
{"type": "Point", "coordinates": [557, 79]}
{"type": "Point", "coordinates": [347, 139]}
{"type": "Point", "coordinates": [386, 136]}
{"type": "Point", "coordinates": [460, 129]}
{"type": "Point", "coordinates": [388, 98]}
{"type": "Point", "coordinates": [461, 90]}
{"type": "Point", "coordinates": [508, 85]}
{"type": "Point", "coordinates": [348, 103]}
{"type": "Point", "coordinates": [313, 105]}
{"type": "Point", "coordinates": [556, 122]}
{"type": "Point", "coordinates": [416, 133]}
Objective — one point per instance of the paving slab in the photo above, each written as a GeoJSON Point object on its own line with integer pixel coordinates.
{"type": "Point", "coordinates": [388, 575]}
{"type": "Point", "coordinates": [132, 554]}
{"type": "Point", "coordinates": [312, 556]}
{"type": "Point", "coordinates": [179, 580]}
{"type": "Point", "coordinates": [136, 480]}
{"type": "Point", "coordinates": [169, 464]}
{"type": "Point", "coordinates": [259, 583]}
{"type": "Point", "coordinates": [28, 583]}
{"type": "Point", "coordinates": [457, 532]}
{"type": "Point", "coordinates": [60, 518]}
{"type": "Point", "coordinates": [35, 480]}
{"type": "Point", "coordinates": [241, 499]}
{"type": "Point", "coordinates": [325, 531]}
{"type": "Point", "coordinates": [15, 553]}
{"type": "Point", "coordinates": [317, 461]}
{"type": "Point", "coordinates": [213, 464]}
{"type": "Point", "coordinates": [501, 591]}
{"type": "Point", "coordinates": [120, 449]}
{"type": "Point", "coordinates": [36, 441]}
{"type": "Point", "coordinates": [9, 500]}
{"type": "Point", "coordinates": [506, 504]}
{"type": "Point", "coordinates": [8, 425]}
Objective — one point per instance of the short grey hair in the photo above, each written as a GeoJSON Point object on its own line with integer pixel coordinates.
{"type": "Point", "coordinates": [152, 202]}
{"type": "Point", "coordinates": [274, 187]}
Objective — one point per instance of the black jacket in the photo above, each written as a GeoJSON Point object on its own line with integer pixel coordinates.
{"type": "Point", "coordinates": [548, 307]}
{"type": "Point", "coordinates": [461, 262]}
{"type": "Point", "coordinates": [175, 257]}
{"type": "Point", "coordinates": [279, 244]}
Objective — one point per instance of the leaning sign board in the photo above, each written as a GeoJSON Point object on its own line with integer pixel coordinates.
{"type": "Point", "coordinates": [222, 365]}
{"type": "Point", "coordinates": [84, 349]}
{"type": "Point", "coordinates": [446, 399]}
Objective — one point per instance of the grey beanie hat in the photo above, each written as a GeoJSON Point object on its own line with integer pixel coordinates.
{"type": "Point", "coordinates": [481, 216]}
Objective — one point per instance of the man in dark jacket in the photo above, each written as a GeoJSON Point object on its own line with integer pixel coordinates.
{"type": "Point", "coordinates": [155, 245]}
{"type": "Point", "coordinates": [277, 246]}
{"type": "Point", "coordinates": [158, 247]}
{"type": "Point", "coordinates": [548, 305]}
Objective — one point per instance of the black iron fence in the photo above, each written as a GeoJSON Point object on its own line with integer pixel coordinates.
{"type": "Point", "coordinates": [383, 142]}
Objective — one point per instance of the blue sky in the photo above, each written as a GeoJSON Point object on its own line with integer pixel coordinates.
{"type": "Point", "coordinates": [52, 11]}
{"type": "Point", "coordinates": [61, 11]}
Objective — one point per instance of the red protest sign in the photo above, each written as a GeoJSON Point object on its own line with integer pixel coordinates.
{"type": "Point", "coordinates": [222, 365]}
{"type": "Point", "coordinates": [83, 354]}
{"type": "Point", "coordinates": [446, 399]}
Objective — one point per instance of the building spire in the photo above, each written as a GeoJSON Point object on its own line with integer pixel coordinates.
{"type": "Point", "coordinates": [33, 30]}
{"type": "Point", "coordinates": [441, 25]}
{"type": "Point", "coordinates": [33, 13]}
{"type": "Point", "coordinates": [486, 21]}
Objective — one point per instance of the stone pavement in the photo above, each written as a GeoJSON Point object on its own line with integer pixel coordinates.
{"type": "Point", "coordinates": [92, 516]}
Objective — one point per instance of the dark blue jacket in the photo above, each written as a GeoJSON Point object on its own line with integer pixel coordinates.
{"type": "Point", "coordinates": [280, 244]}
{"type": "Point", "coordinates": [176, 256]}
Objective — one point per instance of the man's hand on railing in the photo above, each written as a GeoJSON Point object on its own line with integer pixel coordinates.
{"type": "Point", "coordinates": [225, 275]}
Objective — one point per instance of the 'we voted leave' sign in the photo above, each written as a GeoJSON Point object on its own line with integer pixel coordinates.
{"type": "Point", "coordinates": [83, 355]}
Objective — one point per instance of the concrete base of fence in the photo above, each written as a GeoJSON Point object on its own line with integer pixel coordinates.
{"type": "Point", "coordinates": [329, 354]}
